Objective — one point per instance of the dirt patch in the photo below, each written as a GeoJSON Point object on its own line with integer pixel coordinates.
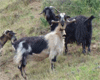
{"type": "Point", "coordinates": [8, 70]}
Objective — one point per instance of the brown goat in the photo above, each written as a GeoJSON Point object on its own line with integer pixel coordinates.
{"type": "Point", "coordinates": [7, 35]}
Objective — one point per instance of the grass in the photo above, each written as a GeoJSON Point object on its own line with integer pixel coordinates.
{"type": "Point", "coordinates": [22, 17]}
{"type": "Point", "coordinates": [80, 68]}
{"type": "Point", "coordinates": [75, 7]}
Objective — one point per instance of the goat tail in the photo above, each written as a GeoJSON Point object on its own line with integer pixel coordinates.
{"type": "Point", "coordinates": [18, 57]}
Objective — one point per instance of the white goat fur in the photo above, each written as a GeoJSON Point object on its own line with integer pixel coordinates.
{"type": "Point", "coordinates": [55, 42]}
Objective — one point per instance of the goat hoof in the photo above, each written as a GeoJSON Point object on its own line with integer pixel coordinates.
{"type": "Point", "coordinates": [19, 67]}
{"type": "Point", "coordinates": [65, 52]}
{"type": "Point", "coordinates": [25, 78]}
{"type": "Point", "coordinates": [84, 52]}
{"type": "Point", "coordinates": [89, 50]}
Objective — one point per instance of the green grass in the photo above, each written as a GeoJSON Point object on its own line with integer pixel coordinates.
{"type": "Point", "coordinates": [76, 7]}
{"type": "Point", "coordinates": [77, 68]}
{"type": "Point", "coordinates": [22, 17]}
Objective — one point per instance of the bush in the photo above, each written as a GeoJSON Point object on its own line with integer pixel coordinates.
{"type": "Point", "coordinates": [75, 7]}
{"type": "Point", "coordinates": [43, 21]}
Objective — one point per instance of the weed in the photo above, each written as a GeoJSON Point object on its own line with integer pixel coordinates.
{"type": "Point", "coordinates": [43, 21]}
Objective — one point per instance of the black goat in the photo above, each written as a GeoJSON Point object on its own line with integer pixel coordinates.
{"type": "Point", "coordinates": [80, 32]}
{"type": "Point", "coordinates": [49, 14]}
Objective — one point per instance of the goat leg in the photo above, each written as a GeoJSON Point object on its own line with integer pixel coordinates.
{"type": "Point", "coordinates": [21, 70]}
{"type": "Point", "coordinates": [89, 46]}
{"type": "Point", "coordinates": [24, 64]}
{"type": "Point", "coordinates": [52, 66]}
{"type": "Point", "coordinates": [83, 46]}
{"type": "Point", "coordinates": [66, 48]}
{"type": "Point", "coordinates": [22, 67]}
{"type": "Point", "coordinates": [24, 71]}
{"type": "Point", "coordinates": [89, 50]}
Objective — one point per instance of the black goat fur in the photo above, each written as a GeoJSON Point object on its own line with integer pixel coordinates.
{"type": "Point", "coordinates": [36, 43]}
{"type": "Point", "coordinates": [80, 32]}
{"type": "Point", "coordinates": [48, 12]}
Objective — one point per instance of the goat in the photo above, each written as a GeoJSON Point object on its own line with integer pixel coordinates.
{"type": "Point", "coordinates": [7, 35]}
{"type": "Point", "coordinates": [51, 45]}
{"type": "Point", "coordinates": [80, 32]}
{"type": "Point", "coordinates": [50, 15]}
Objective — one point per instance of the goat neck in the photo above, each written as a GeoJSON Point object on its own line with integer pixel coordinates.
{"type": "Point", "coordinates": [13, 39]}
{"type": "Point", "coordinates": [60, 30]}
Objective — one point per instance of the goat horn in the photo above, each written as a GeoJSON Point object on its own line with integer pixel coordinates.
{"type": "Point", "coordinates": [74, 20]}
{"type": "Point", "coordinates": [41, 12]}
{"type": "Point", "coordinates": [54, 21]}
{"type": "Point", "coordinates": [54, 8]}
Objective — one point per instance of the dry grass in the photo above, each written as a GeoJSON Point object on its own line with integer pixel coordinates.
{"type": "Point", "coordinates": [25, 21]}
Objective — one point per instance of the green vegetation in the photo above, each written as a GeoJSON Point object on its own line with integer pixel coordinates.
{"type": "Point", "coordinates": [44, 22]}
{"type": "Point", "coordinates": [22, 17]}
{"type": "Point", "coordinates": [76, 7]}
{"type": "Point", "coordinates": [79, 7]}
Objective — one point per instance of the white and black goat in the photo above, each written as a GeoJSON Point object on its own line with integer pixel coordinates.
{"type": "Point", "coordinates": [51, 45]}
{"type": "Point", "coordinates": [7, 35]}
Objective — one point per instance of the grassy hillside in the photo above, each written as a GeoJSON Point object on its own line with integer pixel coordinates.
{"type": "Point", "coordinates": [22, 17]}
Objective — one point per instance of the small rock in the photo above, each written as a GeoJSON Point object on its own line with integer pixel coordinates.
{"type": "Point", "coordinates": [98, 66]}
{"type": "Point", "coordinates": [67, 73]}
{"type": "Point", "coordinates": [94, 46]}
{"type": "Point", "coordinates": [78, 70]}
{"type": "Point", "coordinates": [73, 72]}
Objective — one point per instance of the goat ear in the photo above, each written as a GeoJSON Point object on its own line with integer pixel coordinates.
{"type": "Point", "coordinates": [5, 32]}
{"type": "Point", "coordinates": [89, 19]}
{"type": "Point", "coordinates": [66, 17]}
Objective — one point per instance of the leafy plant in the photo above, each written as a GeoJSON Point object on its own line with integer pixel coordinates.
{"type": "Point", "coordinates": [43, 21]}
